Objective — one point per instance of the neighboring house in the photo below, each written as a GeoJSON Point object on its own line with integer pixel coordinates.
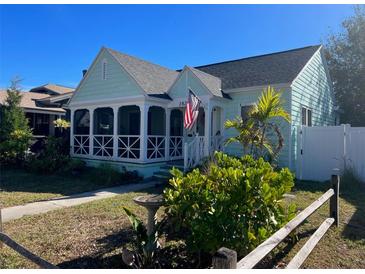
{"type": "Point", "coordinates": [130, 112]}
{"type": "Point", "coordinates": [42, 105]}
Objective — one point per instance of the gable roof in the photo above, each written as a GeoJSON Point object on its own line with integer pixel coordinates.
{"type": "Point", "coordinates": [53, 88]}
{"type": "Point", "coordinates": [153, 79]}
{"type": "Point", "coordinates": [29, 101]}
{"type": "Point", "coordinates": [214, 84]}
{"type": "Point", "coordinates": [274, 68]}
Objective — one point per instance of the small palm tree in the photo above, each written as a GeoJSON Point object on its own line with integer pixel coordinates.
{"type": "Point", "coordinates": [256, 130]}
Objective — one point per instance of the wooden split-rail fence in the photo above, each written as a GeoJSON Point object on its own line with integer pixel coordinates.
{"type": "Point", "coordinates": [227, 258]}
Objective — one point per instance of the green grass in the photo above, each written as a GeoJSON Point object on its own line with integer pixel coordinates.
{"type": "Point", "coordinates": [92, 235]}
{"type": "Point", "coordinates": [19, 187]}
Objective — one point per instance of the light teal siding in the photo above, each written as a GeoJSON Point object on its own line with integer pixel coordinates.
{"type": "Point", "coordinates": [312, 89]}
{"type": "Point", "coordinates": [233, 109]}
{"type": "Point", "coordinates": [185, 81]}
{"type": "Point", "coordinates": [117, 84]}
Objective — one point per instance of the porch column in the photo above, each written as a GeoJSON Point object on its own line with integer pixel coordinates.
{"type": "Point", "coordinates": [144, 132]}
{"type": "Point", "coordinates": [115, 133]}
{"type": "Point", "coordinates": [91, 133]}
{"type": "Point", "coordinates": [223, 119]}
{"type": "Point", "coordinates": [72, 121]}
{"type": "Point", "coordinates": [167, 140]}
{"type": "Point", "coordinates": [208, 128]}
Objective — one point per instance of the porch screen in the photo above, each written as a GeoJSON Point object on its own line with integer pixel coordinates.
{"type": "Point", "coordinates": [82, 122]}
{"type": "Point", "coordinates": [103, 121]}
{"type": "Point", "coordinates": [129, 120]}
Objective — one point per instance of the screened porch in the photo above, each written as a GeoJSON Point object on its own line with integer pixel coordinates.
{"type": "Point", "coordinates": [143, 133]}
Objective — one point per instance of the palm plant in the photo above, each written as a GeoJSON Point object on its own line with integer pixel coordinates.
{"type": "Point", "coordinates": [258, 131]}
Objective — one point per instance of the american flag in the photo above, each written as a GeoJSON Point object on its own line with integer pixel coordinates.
{"type": "Point", "coordinates": [191, 111]}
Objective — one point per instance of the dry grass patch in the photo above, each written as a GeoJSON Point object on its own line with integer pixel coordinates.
{"type": "Point", "coordinates": [90, 235]}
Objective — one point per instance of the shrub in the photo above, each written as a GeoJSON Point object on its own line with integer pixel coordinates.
{"type": "Point", "coordinates": [111, 176]}
{"type": "Point", "coordinates": [237, 203]}
{"type": "Point", "coordinates": [74, 166]}
{"type": "Point", "coordinates": [15, 134]}
{"type": "Point", "coordinates": [13, 150]}
{"type": "Point", "coordinates": [51, 159]}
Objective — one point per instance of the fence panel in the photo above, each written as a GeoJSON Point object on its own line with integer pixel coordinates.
{"type": "Point", "coordinates": [321, 149]}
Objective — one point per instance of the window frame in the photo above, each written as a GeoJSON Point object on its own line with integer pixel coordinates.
{"type": "Point", "coordinates": [250, 105]}
{"type": "Point", "coordinates": [308, 116]}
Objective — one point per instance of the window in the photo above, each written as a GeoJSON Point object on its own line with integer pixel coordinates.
{"type": "Point", "coordinates": [104, 69]}
{"type": "Point", "coordinates": [306, 117]}
{"type": "Point", "coordinates": [244, 112]}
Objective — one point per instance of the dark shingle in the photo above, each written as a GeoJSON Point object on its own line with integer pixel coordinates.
{"type": "Point", "coordinates": [154, 79]}
{"type": "Point", "coordinates": [274, 68]}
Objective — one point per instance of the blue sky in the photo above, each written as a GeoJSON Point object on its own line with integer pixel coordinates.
{"type": "Point", "coordinates": [53, 43]}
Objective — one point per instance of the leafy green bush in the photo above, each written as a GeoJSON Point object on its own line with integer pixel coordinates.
{"type": "Point", "coordinates": [51, 159]}
{"type": "Point", "coordinates": [145, 247]}
{"type": "Point", "coordinates": [236, 203]}
{"type": "Point", "coordinates": [13, 149]}
{"type": "Point", "coordinates": [111, 176]}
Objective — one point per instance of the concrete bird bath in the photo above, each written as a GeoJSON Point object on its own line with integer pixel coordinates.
{"type": "Point", "coordinates": [152, 203]}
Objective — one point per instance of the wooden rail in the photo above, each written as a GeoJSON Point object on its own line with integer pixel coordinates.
{"type": "Point", "coordinates": [225, 258]}
{"type": "Point", "coordinates": [5, 239]}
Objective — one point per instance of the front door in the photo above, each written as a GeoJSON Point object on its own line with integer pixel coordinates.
{"type": "Point", "coordinates": [176, 141]}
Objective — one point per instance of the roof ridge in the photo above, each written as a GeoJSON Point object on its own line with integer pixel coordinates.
{"type": "Point", "coordinates": [258, 56]}
{"type": "Point", "coordinates": [140, 59]}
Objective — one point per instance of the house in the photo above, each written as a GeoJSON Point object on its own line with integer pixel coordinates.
{"type": "Point", "coordinates": [42, 105]}
{"type": "Point", "coordinates": [129, 112]}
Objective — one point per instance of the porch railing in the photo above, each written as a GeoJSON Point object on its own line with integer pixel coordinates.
{"type": "Point", "coordinates": [176, 147]}
{"type": "Point", "coordinates": [103, 145]}
{"type": "Point", "coordinates": [193, 152]}
{"type": "Point", "coordinates": [156, 147]}
{"type": "Point", "coordinates": [81, 145]}
{"type": "Point", "coordinates": [129, 146]}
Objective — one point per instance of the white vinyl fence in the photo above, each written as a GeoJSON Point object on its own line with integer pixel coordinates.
{"type": "Point", "coordinates": [321, 149]}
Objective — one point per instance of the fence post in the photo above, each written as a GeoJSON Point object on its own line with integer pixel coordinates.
{"type": "Point", "coordinates": [334, 200]}
{"type": "Point", "coordinates": [1, 226]}
{"type": "Point", "coordinates": [225, 258]}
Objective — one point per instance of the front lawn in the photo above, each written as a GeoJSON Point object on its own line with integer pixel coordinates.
{"type": "Point", "coordinates": [18, 187]}
{"type": "Point", "coordinates": [92, 235]}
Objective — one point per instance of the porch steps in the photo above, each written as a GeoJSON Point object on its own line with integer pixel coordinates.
{"type": "Point", "coordinates": [163, 175]}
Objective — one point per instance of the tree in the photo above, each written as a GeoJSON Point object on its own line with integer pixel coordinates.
{"type": "Point", "coordinates": [345, 53]}
{"type": "Point", "coordinates": [15, 133]}
{"type": "Point", "coordinates": [259, 133]}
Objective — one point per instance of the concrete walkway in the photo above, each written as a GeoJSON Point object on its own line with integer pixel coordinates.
{"type": "Point", "coordinates": [16, 212]}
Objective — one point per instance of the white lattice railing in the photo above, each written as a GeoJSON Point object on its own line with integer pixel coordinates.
{"type": "Point", "coordinates": [176, 147]}
{"type": "Point", "coordinates": [216, 144]}
{"type": "Point", "coordinates": [103, 145]}
{"type": "Point", "coordinates": [193, 152]}
{"type": "Point", "coordinates": [129, 146]}
{"type": "Point", "coordinates": [156, 147]}
{"type": "Point", "coordinates": [81, 144]}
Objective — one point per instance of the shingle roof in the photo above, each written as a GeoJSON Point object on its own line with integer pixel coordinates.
{"type": "Point", "coordinates": [274, 68]}
{"type": "Point", "coordinates": [214, 84]}
{"type": "Point", "coordinates": [58, 89]}
{"type": "Point", "coordinates": [154, 79]}
{"type": "Point", "coordinates": [29, 101]}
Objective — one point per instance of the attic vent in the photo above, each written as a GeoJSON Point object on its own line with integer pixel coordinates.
{"type": "Point", "coordinates": [104, 69]}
